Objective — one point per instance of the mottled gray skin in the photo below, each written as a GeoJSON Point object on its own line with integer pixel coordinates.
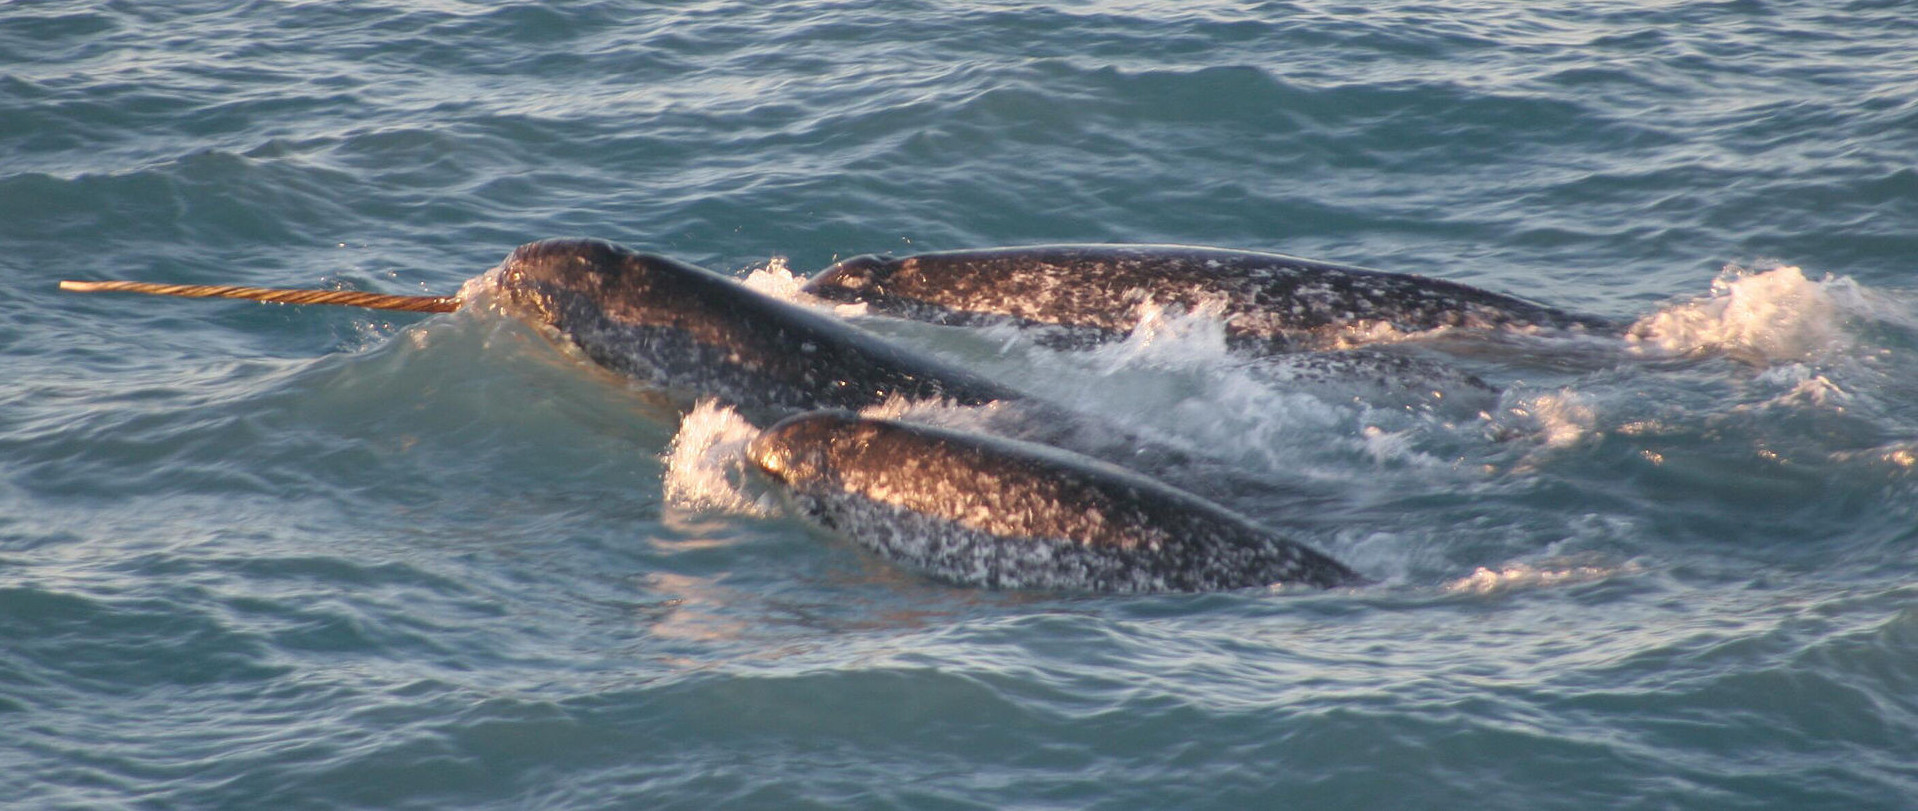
{"type": "Point", "coordinates": [1271, 302]}
{"type": "Point", "coordinates": [983, 511]}
{"type": "Point", "coordinates": [690, 333]}
{"type": "Point", "coordinates": [682, 329]}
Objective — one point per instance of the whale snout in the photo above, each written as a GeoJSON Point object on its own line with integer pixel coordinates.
{"type": "Point", "coordinates": [768, 452]}
{"type": "Point", "coordinates": [793, 451]}
{"type": "Point", "coordinates": [566, 263]}
{"type": "Point", "coordinates": [847, 279]}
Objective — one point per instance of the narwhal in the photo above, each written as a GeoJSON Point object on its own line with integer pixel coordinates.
{"type": "Point", "coordinates": [1270, 303]}
{"type": "Point", "coordinates": [693, 333]}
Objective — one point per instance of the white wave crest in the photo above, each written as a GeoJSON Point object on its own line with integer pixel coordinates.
{"type": "Point", "coordinates": [1802, 387]}
{"type": "Point", "coordinates": [479, 292]}
{"type": "Point", "coordinates": [1170, 337]}
{"type": "Point", "coordinates": [1559, 419]}
{"type": "Point", "coordinates": [1519, 575]}
{"type": "Point", "coordinates": [706, 466]}
{"type": "Point", "coordinates": [776, 280]}
{"type": "Point", "coordinates": [1759, 316]}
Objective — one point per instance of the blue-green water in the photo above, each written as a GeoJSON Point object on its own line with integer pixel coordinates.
{"type": "Point", "coordinates": [264, 556]}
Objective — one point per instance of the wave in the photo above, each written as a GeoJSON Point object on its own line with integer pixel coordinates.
{"type": "Point", "coordinates": [1758, 316]}
{"type": "Point", "coordinates": [706, 466]}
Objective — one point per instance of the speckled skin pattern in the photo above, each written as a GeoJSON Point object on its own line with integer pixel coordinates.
{"type": "Point", "coordinates": [682, 329]}
{"type": "Point", "coordinates": [1270, 302]}
{"type": "Point", "coordinates": [983, 511]}
{"type": "Point", "coordinates": [691, 333]}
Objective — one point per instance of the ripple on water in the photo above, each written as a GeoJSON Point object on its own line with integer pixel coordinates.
{"type": "Point", "coordinates": [255, 555]}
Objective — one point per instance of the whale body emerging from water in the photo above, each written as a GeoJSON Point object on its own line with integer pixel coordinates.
{"type": "Point", "coordinates": [694, 334]}
{"type": "Point", "coordinates": [984, 511]}
{"type": "Point", "coordinates": [1269, 302]}
{"type": "Point", "coordinates": [689, 331]}
{"type": "Point", "coordinates": [685, 331]}
{"type": "Point", "coordinates": [678, 328]}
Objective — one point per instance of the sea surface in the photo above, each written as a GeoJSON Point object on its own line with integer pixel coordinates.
{"type": "Point", "coordinates": [266, 556]}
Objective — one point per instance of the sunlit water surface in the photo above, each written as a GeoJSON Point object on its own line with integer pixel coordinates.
{"type": "Point", "coordinates": [256, 555]}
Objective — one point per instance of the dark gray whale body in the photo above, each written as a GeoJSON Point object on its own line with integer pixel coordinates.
{"type": "Point", "coordinates": [683, 329]}
{"type": "Point", "coordinates": [1076, 523]}
{"type": "Point", "coordinates": [984, 511]}
{"type": "Point", "coordinates": [692, 333]}
{"type": "Point", "coordinates": [1270, 302]}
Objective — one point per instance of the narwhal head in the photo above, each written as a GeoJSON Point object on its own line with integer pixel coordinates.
{"type": "Point", "coordinates": [797, 450]}
{"type": "Point", "coordinates": [551, 279]}
{"type": "Point", "coordinates": [856, 279]}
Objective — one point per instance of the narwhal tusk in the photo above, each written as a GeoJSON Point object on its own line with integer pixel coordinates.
{"type": "Point", "coordinates": [344, 298]}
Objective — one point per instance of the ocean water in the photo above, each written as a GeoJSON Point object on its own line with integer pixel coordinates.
{"type": "Point", "coordinates": [269, 556]}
